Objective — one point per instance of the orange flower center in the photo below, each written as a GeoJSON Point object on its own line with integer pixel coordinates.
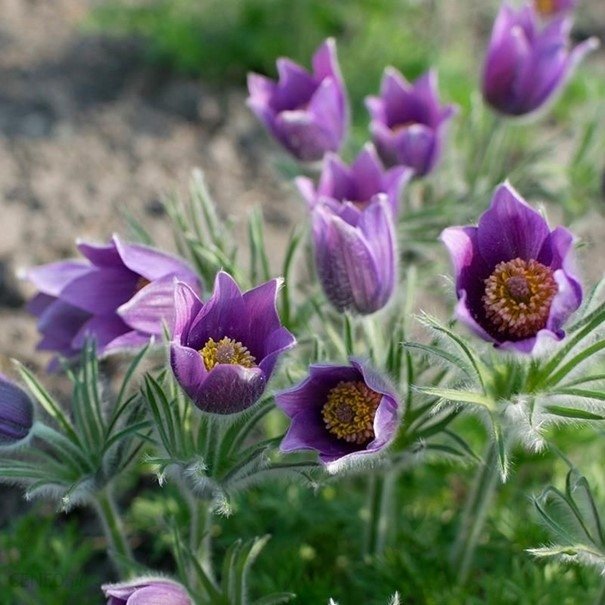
{"type": "Point", "coordinates": [349, 411]}
{"type": "Point", "coordinates": [518, 296]}
{"type": "Point", "coordinates": [226, 351]}
{"type": "Point", "coordinates": [545, 7]}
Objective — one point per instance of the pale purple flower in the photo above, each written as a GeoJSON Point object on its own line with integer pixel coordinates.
{"type": "Point", "coordinates": [224, 351]}
{"type": "Point", "coordinates": [147, 591]}
{"type": "Point", "coordinates": [120, 296]}
{"type": "Point", "coordinates": [515, 278]}
{"type": "Point", "coordinates": [16, 414]}
{"type": "Point", "coordinates": [346, 413]}
{"type": "Point", "coordinates": [305, 112]}
{"type": "Point", "coordinates": [358, 183]}
{"type": "Point", "coordinates": [355, 253]}
{"type": "Point", "coordinates": [408, 122]}
{"type": "Point", "coordinates": [527, 63]}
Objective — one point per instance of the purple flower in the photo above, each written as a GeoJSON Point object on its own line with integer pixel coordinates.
{"type": "Point", "coordinates": [16, 414]}
{"type": "Point", "coordinates": [526, 64]}
{"type": "Point", "coordinates": [358, 183]}
{"type": "Point", "coordinates": [549, 8]}
{"type": "Point", "coordinates": [408, 123]}
{"type": "Point", "coordinates": [307, 113]}
{"type": "Point", "coordinates": [515, 281]}
{"type": "Point", "coordinates": [355, 253]}
{"type": "Point", "coordinates": [223, 352]}
{"type": "Point", "coordinates": [345, 413]}
{"type": "Point", "coordinates": [147, 591]}
{"type": "Point", "coordinates": [120, 295]}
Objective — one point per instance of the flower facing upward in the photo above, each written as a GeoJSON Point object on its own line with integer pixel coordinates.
{"type": "Point", "coordinates": [345, 413]}
{"type": "Point", "coordinates": [223, 352]}
{"type": "Point", "coordinates": [120, 295]}
{"type": "Point", "coordinates": [526, 64]}
{"type": "Point", "coordinates": [408, 122]}
{"type": "Point", "coordinates": [306, 112]}
{"type": "Point", "coordinates": [355, 253]}
{"type": "Point", "coordinates": [147, 591]}
{"type": "Point", "coordinates": [358, 183]}
{"type": "Point", "coordinates": [16, 414]}
{"type": "Point", "coordinates": [514, 276]}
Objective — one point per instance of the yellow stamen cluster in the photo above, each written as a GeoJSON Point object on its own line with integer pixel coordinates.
{"type": "Point", "coordinates": [228, 351]}
{"type": "Point", "coordinates": [518, 296]}
{"type": "Point", "coordinates": [349, 411]}
{"type": "Point", "coordinates": [545, 7]}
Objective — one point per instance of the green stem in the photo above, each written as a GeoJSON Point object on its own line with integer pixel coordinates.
{"type": "Point", "coordinates": [200, 539]}
{"type": "Point", "coordinates": [601, 597]}
{"type": "Point", "coordinates": [381, 518]}
{"type": "Point", "coordinates": [117, 545]}
{"type": "Point", "coordinates": [474, 515]}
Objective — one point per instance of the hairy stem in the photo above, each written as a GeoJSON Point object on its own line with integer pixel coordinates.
{"type": "Point", "coordinates": [381, 518]}
{"type": "Point", "coordinates": [200, 539]}
{"type": "Point", "coordinates": [601, 596]}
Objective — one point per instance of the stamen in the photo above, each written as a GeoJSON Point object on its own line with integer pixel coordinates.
{"type": "Point", "coordinates": [226, 351]}
{"type": "Point", "coordinates": [350, 410]}
{"type": "Point", "coordinates": [141, 283]}
{"type": "Point", "coordinates": [518, 296]}
{"type": "Point", "coordinates": [545, 7]}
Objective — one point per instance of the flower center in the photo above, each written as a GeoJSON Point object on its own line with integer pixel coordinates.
{"type": "Point", "coordinates": [545, 7]}
{"type": "Point", "coordinates": [518, 296]}
{"type": "Point", "coordinates": [228, 351]}
{"type": "Point", "coordinates": [349, 411]}
{"type": "Point", "coordinates": [141, 283]}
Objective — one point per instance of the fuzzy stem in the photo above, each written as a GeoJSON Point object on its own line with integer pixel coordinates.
{"type": "Point", "coordinates": [601, 597]}
{"type": "Point", "coordinates": [380, 505]}
{"type": "Point", "coordinates": [474, 515]}
{"type": "Point", "coordinates": [200, 540]}
{"type": "Point", "coordinates": [117, 546]}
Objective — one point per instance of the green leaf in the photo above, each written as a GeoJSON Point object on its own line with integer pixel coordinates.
{"type": "Point", "coordinates": [565, 412]}
{"type": "Point", "coordinates": [458, 396]}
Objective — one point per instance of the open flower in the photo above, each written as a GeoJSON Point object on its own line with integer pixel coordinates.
{"type": "Point", "coordinates": [147, 591]}
{"type": "Point", "coordinates": [526, 64]}
{"type": "Point", "coordinates": [16, 414]}
{"type": "Point", "coordinates": [224, 351]}
{"type": "Point", "coordinates": [305, 112]}
{"type": "Point", "coordinates": [514, 276]}
{"type": "Point", "coordinates": [119, 295]}
{"type": "Point", "coordinates": [345, 413]}
{"type": "Point", "coordinates": [355, 253]}
{"type": "Point", "coordinates": [550, 8]}
{"type": "Point", "coordinates": [408, 122]}
{"type": "Point", "coordinates": [358, 183]}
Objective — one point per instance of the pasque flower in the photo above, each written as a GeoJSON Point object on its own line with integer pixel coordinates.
{"type": "Point", "coordinates": [355, 253]}
{"type": "Point", "coordinates": [224, 351]}
{"type": "Point", "coordinates": [408, 122]}
{"type": "Point", "coordinates": [345, 413]}
{"type": "Point", "coordinates": [358, 183]}
{"type": "Point", "coordinates": [527, 63]}
{"type": "Point", "coordinates": [119, 295]}
{"type": "Point", "coordinates": [515, 280]}
{"type": "Point", "coordinates": [16, 414]}
{"type": "Point", "coordinates": [305, 112]}
{"type": "Point", "coordinates": [147, 591]}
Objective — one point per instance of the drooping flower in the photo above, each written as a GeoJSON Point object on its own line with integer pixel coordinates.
{"type": "Point", "coordinates": [345, 413]}
{"type": "Point", "coordinates": [224, 351]}
{"type": "Point", "coordinates": [358, 183]}
{"type": "Point", "coordinates": [526, 63]}
{"type": "Point", "coordinates": [16, 414]}
{"type": "Point", "coordinates": [305, 112]}
{"type": "Point", "coordinates": [550, 8]}
{"type": "Point", "coordinates": [147, 591]}
{"type": "Point", "coordinates": [355, 253]}
{"type": "Point", "coordinates": [408, 122]}
{"type": "Point", "coordinates": [120, 296]}
{"type": "Point", "coordinates": [515, 279]}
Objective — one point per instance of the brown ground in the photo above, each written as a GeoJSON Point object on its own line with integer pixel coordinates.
{"type": "Point", "coordinates": [87, 131]}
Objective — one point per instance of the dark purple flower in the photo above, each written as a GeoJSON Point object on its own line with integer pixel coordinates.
{"type": "Point", "coordinates": [307, 113]}
{"type": "Point", "coordinates": [345, 413]}
{"type": "Point", "coordinates": [223, 352]}
{"type": "Point", "coordinates": [147, 591]}
{"type": "Point", "coordinates": [119, 295]}
{"type": "Point", "coordinates": [355, 253]}
{"type": "Point", "coordinates": [515, 280]}
{"type": "Point", "coordinates": [358, 183]}
{"type": "Point", "coordinates": [526, 64]}
{"type": "Point", "coordinates": [16, 414]}
{"type": "Point", "coordinates": [408, 122]}
{"type": "Point", "coordinates": [550, 8]}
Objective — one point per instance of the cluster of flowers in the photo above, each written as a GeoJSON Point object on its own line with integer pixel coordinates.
{"type": "Point", "coordinates": [515, 279]}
